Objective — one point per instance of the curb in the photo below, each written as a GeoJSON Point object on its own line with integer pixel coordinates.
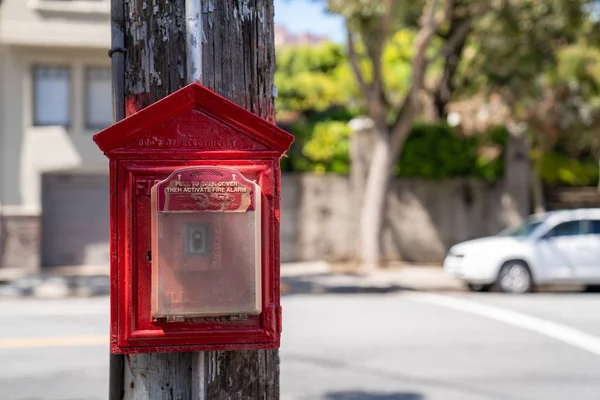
{"type": "Point", "coordinates": [57, 286]}
{"type": "Point", "coordinates": [313, 278]}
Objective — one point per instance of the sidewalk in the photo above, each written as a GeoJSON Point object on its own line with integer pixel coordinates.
{"type": "Point", "coordinates": [322, 277]}
{"type": "Point", "coordinates": [296, 278]}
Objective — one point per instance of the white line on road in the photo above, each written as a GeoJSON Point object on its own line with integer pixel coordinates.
{"type": "Point", "coordinates": [571, 336]}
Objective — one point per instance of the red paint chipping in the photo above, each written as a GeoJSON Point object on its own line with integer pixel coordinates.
{"type": "Point", "coordinates": [137, 102]}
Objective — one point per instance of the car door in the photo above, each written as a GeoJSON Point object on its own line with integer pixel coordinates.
{"type": "Point", "coordinates": [588, 271]}
{"type": "Point", "coordinates": [558, 251]}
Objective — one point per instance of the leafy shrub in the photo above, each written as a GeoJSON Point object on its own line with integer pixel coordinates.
{"type": "Point", "coordinates": [432, 151]}
{"type": "Point", "coordinates": [328, 148]}
{"type": "Point", "coordinates": [436, 151]}
{"type": "Point", "coordinates": [562, 170]}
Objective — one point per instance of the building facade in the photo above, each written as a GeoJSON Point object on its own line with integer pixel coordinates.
{"type": "Point", "coordinates": [55, 93]}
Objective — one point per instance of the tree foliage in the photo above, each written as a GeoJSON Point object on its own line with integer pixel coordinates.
{"type": "Point", "coordinates": [312, 78]}
{"type": "Point", "coordinates": [541, 58]}
{"type": "Point", "coordinates": [329, 147]}
{"type": "Point", "coordinates": [534, 54]}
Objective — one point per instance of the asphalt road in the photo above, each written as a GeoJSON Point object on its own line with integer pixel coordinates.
{"type": "Point", "coordinates": [395, 346]}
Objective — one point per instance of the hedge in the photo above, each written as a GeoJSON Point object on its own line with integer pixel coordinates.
{"type": "Point", "coordinates": [432, 151]}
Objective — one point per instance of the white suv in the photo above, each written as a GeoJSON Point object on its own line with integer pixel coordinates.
{"type": "Point", "coordinates": [558, 247]}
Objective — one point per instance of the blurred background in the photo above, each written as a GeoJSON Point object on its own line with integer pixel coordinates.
{"type": "Point", "coordinates": [418, 125]}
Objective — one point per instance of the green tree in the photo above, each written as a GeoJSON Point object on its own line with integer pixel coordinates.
{"type": "Point", "coordinates": [371, 27]}
{"type": "Point", "coordinates": [580, 64]}
{"type": "Point", "coordinates": [539, 57]}
{"type": "Point", "coordinates": [313, 78]}
{"type": "Point", "coordinates": [318, 93]}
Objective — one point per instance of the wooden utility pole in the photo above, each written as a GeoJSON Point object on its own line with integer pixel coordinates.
{"type": "Point", "coordinates": [237, 61]}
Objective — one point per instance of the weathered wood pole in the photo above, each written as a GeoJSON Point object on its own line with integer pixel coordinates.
{"type": "Point", "coordinates": [238, 62]}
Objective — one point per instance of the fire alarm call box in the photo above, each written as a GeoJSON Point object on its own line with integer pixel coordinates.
{"type": "Point", "coordinates": [195, 186]}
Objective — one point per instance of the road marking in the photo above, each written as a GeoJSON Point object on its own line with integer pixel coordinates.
{"type": "Point", "coordinates": [566, 334]}
{"type": "Point", "coordinates": [64, 341]}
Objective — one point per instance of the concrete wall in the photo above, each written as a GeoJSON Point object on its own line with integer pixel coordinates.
{"type": "Point", "coordinates": [424, 217]}
{"type": "Point", "coordinates": [316, 218]}
{"type": "Point", "coordinates": [320, 220]}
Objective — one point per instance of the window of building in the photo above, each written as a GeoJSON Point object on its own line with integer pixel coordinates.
{"type": "Point", "coordinates": [51, 96]}
{"type": "Point", "coordinates": [98, 103]}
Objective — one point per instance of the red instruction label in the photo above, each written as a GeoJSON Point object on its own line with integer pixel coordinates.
{"type": "Point", "coordinates": [213, 189]}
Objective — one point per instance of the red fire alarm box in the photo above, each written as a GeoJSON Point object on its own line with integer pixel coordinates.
{"type": "Point", "coordinates": [195, 185]}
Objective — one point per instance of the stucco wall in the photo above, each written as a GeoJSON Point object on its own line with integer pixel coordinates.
{"type": "Point", "coordinates": [424, 218]}
{"type": "Point", "coordinates": [83, 24]}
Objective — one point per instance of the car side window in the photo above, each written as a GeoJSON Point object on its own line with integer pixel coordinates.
{"type": "Point", "coordinates": [569, 228]}
{"type": "Point", "coordinates": [594, 227]}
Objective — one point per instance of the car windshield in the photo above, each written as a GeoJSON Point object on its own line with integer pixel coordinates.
{"type": "Point", "coordinates": [523, 230]}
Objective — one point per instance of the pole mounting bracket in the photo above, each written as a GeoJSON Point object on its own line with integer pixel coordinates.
{"type": "Point", "coordinates": [116, 50]}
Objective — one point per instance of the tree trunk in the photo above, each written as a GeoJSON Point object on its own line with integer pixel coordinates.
{"type": "Point", "coordinates": [539, 205]}
{"type": "Point", "coordinates": [238, 62]}
{"type": "Point", "coordinates": [374, 203]}
{"type": "Point", "coordinates": [389, 140]}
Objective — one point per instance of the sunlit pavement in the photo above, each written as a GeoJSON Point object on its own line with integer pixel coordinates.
{"type": "Point", "coordinates": [401, 345]}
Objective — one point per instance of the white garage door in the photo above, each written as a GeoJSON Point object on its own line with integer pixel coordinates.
{"type": "Point", "coordinates": [75, 219]}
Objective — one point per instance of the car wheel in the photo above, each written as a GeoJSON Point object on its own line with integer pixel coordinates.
{"type": "Point", "coordinates": [478, 287]}
{"type": "Point", "coordinates": [515, 277]}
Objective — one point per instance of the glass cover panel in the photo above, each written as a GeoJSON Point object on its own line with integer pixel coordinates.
{"type": "Point", "coordinates": [206, 257]}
